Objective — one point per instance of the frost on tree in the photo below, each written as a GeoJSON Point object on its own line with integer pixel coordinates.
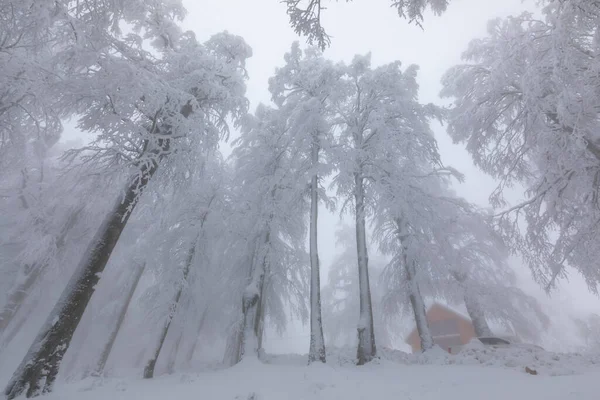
{"type": "Point", "coordinates": [524, 105]}
{"type": "Point", "coordinates": [301, 89]}
{"type": "Point", "coordinates": [169, 97]}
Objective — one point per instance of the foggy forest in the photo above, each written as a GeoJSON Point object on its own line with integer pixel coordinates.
{"type": "Point", "coordinates": [354, 225]}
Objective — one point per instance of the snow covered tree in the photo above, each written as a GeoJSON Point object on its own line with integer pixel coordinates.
{"type": "Point", "coordinates": [271, 183]}
{"type": "Point", "coordinates": [143, 108]}
{"type": "Point", "coordinates": [380, 122]}
{"type": "Point", "coordinates": [301, 90]}
{"type": "Point", "coordinates": [305, 16]}
{"type": "Point", "coordinates": [524, 105]}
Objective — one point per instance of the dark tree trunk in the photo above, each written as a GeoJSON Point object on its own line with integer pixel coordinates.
{"type": "Point", "coordinates": [39, 368]}
{"type": "Point", "coordinates": [99, 370]}
{"type": "Point", "coordinates": [151, 364]}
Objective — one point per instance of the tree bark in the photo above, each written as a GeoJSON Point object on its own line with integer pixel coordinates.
{"type": "Point", "coordinates": [366, 334]}
{"type": "Point", "coordinates": [418, 306]}
{"type": "Point", "coordinates": [416, 299]}
{"type": "Point", "coordinates": [317, 342]}
{"type": "Point", "coordinates": [37, 372]}
{"type": "Point", "coordinates": [99, 370]}
{"type": "Point", "coordinates": [251, 300]}
{"type": "Point", "coordinates": [151, 364]}
{"type": "Point", "coordinates": [477, 314]}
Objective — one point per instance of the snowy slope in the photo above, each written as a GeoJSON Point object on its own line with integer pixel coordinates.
{"type": "Point", "coordinates": [287, 378]}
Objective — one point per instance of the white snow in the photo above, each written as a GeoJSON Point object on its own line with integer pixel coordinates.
{"type": "Point", "coordinates": [396, 375]}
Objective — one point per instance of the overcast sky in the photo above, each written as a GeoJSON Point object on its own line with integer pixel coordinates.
{"type": "Point", "coordinates": [364, 26]}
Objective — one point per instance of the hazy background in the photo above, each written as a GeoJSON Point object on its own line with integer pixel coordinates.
{"type": "Point", "coordinates": [363, 26]}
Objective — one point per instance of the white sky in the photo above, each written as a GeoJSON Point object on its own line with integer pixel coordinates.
{"type": "Point", "coordinates": [363, 26]}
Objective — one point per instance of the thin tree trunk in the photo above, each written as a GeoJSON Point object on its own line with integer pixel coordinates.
{"type": "Point", "coordinates": [151, 364]}
{"type": "Point", "coordinates": [251, 303]}
{"type": "Point", "coordinates": [416, 300]}
{"type": "Point", "coordinates": [366, 334]}
{"type": "Point", "coordinates": [173, 355]}
{"type": "Point", "coordinates": [32, 272]}
{"type": "Point", "coordinates": [317, 342]}
{"type": "Point", "coordinates": [37, 372]}
{"type": "Point", "coordinates": [418, 306]}
{"type": "Point", "coordinates": [233, 347]}
{"type": "Point", "coordinates": [477, 314]}
{"type": "Point", "coordinates": [260, 312]}
{"type": "Point", "coordinates": [99, 370]}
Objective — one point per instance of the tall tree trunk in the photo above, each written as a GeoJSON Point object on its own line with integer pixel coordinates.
{"type": "Point", "coordinates": [31, 274]}
{"type": "Point", "coordinates": [418, 306]}
{"type": "Point", "coordinates": [366, 334]}
{"type": "Point", "coordinates": [260, 312]}
{"type": "Point", "coordinates": [233, 347]}
{"type": "Point", "coordinates": [416, 300]}
{"type": "Point", "coordinates": [317, 342]}
{"type": "Point", "coordinates": [251, 300]}
{"type": "Point", "coordinates": [37, 372]}
{"type": "Point", "coordinates": [149, 368]}
{"type": "Point", "coordinates": [477, 314]}
{"type": "Point", "coordinates": [99, 370]}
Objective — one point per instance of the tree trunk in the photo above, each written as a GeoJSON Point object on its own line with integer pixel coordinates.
{"type": "Point", "coordinates": [32, 272]}
{"type": "Point", "coordinates": [99, 370]}
{"type": "Point", "coordinates": [149, 368]}
{"type": "Point", "coordinates": [416, 300]}
{"type": "Point", "coordinates": [418, 306]}
{"type": "Point", "coordinates": [260, 312]}
{"type": "Point", "coordinates": [366, 334]}
{"type": "Point", "coordinates": [317, 342]}
{"type": "Point", "coordinates": [251, 300]}
{"type": "Point", "coordinates": [477, 315]}
{"type": "Point", "coordinates": [37, 372]}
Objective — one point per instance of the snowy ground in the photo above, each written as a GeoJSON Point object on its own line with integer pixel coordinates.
{"type": "Point", "coordinates": [476, 374]}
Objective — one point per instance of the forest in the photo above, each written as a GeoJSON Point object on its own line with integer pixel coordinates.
{"type": "Point", "coordinates": [148, 248]}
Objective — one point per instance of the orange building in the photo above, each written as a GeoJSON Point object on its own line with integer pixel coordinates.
{"type": "Point", "coordinates": [448, 327]}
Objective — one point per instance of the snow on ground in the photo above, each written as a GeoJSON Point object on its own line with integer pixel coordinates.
{"type": "Point", "coordinates": [476, 374]}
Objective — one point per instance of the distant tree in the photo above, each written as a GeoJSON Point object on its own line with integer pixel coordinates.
{"type": "Point", "coordinates": [524, 105]}
{"type": "Point", "coordinates": [589, 330]}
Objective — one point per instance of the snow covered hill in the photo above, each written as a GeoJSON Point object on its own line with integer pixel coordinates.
{"type": "Point", "coordinates": [500, 376]}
